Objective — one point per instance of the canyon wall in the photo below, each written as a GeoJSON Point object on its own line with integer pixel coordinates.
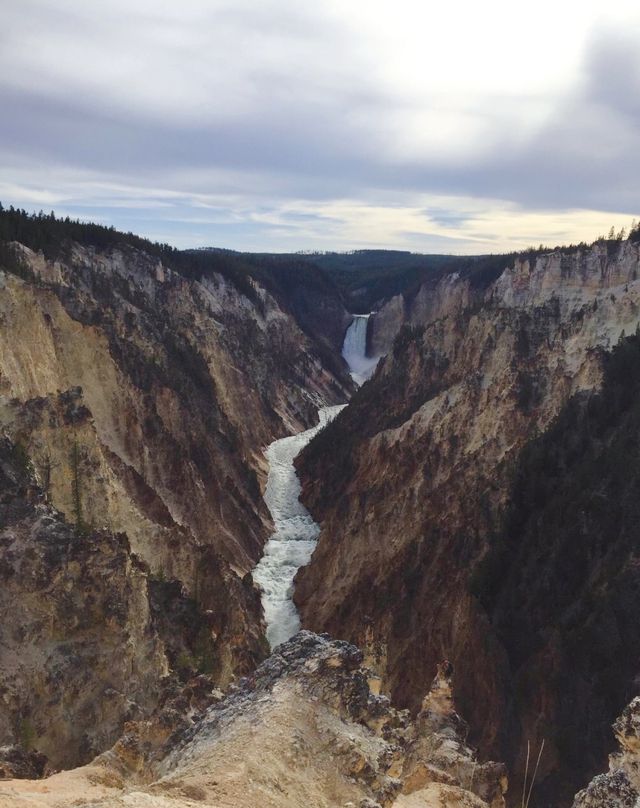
{"type": "Point", "coordinates": [412, 484]}
{"type": "Point", "coordinates": [454, 283]}
{"type": "Point", "coordinates": [431, 302]}
{"type": "Point", "coordinates": [90, 639]}
{"type": "Point", "coordinates": [140, 401]}
{"type": "Point", "coordinates": [179, 386]}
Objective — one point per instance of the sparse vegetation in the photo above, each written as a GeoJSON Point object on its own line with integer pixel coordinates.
{"type": "Point", "coordinates": [561, 578]}
{"type": "Point", "coordinates": [26, 734]}
{"type": "Point", "coordinates": [22, 458]}
{"type": "Point", "coordinates": [75, 462]}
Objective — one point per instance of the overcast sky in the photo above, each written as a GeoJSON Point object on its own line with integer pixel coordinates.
{"type": "Point", "coordinates": [284, 125]}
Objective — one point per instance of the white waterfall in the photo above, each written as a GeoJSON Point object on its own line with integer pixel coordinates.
{"type": "Point", "coordinates": [354, 349]}
{"type": "Point", "coordinates": [295, 535]}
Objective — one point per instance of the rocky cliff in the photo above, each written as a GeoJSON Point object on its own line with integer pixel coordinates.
{"type": "Point", "coordinates": [477, 498]}
{"type": "Point", "coordinates": [179, 386]}
{"type": "Point", "coordinates": [304, 729]}
{"type": "Point", "coordinates": [620, 786]}
{"type": "Point", "coordinates": [140, 399]}
{"type": "Point", "coordinates": [458, 283]}
{"type": "Point", "coordinates": [413, 481]}
{"type": "Point", "coordinates": [87, 641]}
{"type": "Point", "coordinates": [431, 302]}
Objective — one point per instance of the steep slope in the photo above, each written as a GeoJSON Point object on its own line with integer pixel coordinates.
{"type": "Point", "coordinates": [458, 283]}
{"type": "Point", "coordinates": [304, 730]}
{"type": "Point", "coordinates": [411, 482]}
{"type": "Point", "coordinates": [561, 582]}
{"type": "Point", "coordinates": [309, 295]}
{"type": "Point", "coordinates": [142, 393]}
{"type": "Point", "coordinates": [88, 638]}
{"type": "Point", "coordinates": [184, 382]}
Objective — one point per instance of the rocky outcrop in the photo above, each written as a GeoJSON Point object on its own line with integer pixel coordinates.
{"type": "Point", "coordinates": [431, 302]}
{"type": "Point", "coordinates": [412, 482]}
{"type": "Point", "coordinates": [620, 786]}
{"type": "Point", "coordinates": [17, 763]}
{"type": "Point", "coordinates": [79, 651]}
{"type": "Point", "coordinates": [304, 729]}
{"type": "Point", "coordinates": [437, 753]}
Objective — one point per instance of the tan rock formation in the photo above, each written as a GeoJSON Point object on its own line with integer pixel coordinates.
{"type": "Point", "coordinates": [141, 399]}
{"type": "Point", "coordinates": [449, 295]}
{"type": "Point", "coordinates": [78, 648]}
{"type": "Point", "coordinates": [303, 730]}
{"type": "Point", "coordinates": [185, 382]}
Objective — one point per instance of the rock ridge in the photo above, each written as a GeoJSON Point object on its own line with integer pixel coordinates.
{"type": "Point", "coordinates": [304, 728]}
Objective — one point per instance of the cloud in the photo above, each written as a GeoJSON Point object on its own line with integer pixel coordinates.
{"type": "Point", "coordinates": [262, 124]}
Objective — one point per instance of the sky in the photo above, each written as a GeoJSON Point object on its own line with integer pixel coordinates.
{"type": "Point", "coordinates": [283, 125]}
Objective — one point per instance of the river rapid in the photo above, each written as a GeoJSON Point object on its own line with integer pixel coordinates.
{"type": "Point", "coordinates": [295, 535]}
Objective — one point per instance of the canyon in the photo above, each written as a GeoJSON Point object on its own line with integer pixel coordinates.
{"type": "Point", "coordinates": [140, 400]}
{"type": "Point", "coordinates": [466, 460]}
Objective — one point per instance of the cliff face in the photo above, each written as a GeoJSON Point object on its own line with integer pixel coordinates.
{"type": "Point", "coordinates": [413, 480]}
{"type": "Point", "coordinates": [83, 647]}
{"type": "Point", "coordinates": [141, 400]}
{"type": "Point", "coordinates": [431, 302]}
{"type": "Point", "coordinates": [312, 299]}
{"type": "Point", "coordinates": [304, 729]}
{"type": "Point", "coordinates": [182, 383]}
{"type": "Point", "coordinates": [454, 283]}
{"type": "Point", "coordinates": [561, 583]}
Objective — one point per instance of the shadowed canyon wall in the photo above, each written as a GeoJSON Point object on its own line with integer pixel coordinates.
{"type": "Point", "coordinates": [412, 484]}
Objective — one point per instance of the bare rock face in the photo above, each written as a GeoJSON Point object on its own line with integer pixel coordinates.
{"type": "Point", "coordinates": [138, 401]}
{"type": "Point", "coordinates": [438, 752]}
{"type": "Point", "coordinates": [431, 302]}
{"type": "Point", "coordinates": [411, 483]}
{"type": "Point", "coordinates": [78, 647]}
{"type": "Point", "coordinates": [180, 383]}
{"type": "Point", "coordinates": [90, 637]}
{"type": "Point", "coordinates": [304, 729]}
{"type": "Point", "coordinates": [620, 786]}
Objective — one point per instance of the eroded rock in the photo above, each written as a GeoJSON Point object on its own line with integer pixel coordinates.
{"type": "Point", "coordinates": [620, 786]}
{"type": "Point", "coordinates": [303, 730]}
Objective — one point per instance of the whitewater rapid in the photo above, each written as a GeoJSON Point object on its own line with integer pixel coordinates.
{"type": "Point", "coordinates": [354, 349]}
{"type": "Point", "coordinates": [295, 534]}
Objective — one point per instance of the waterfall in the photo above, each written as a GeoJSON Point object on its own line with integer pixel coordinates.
{"type": "Point", "coordinates": [295, 535]}
{"type": "Point", "coordinates": [354, 349]}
